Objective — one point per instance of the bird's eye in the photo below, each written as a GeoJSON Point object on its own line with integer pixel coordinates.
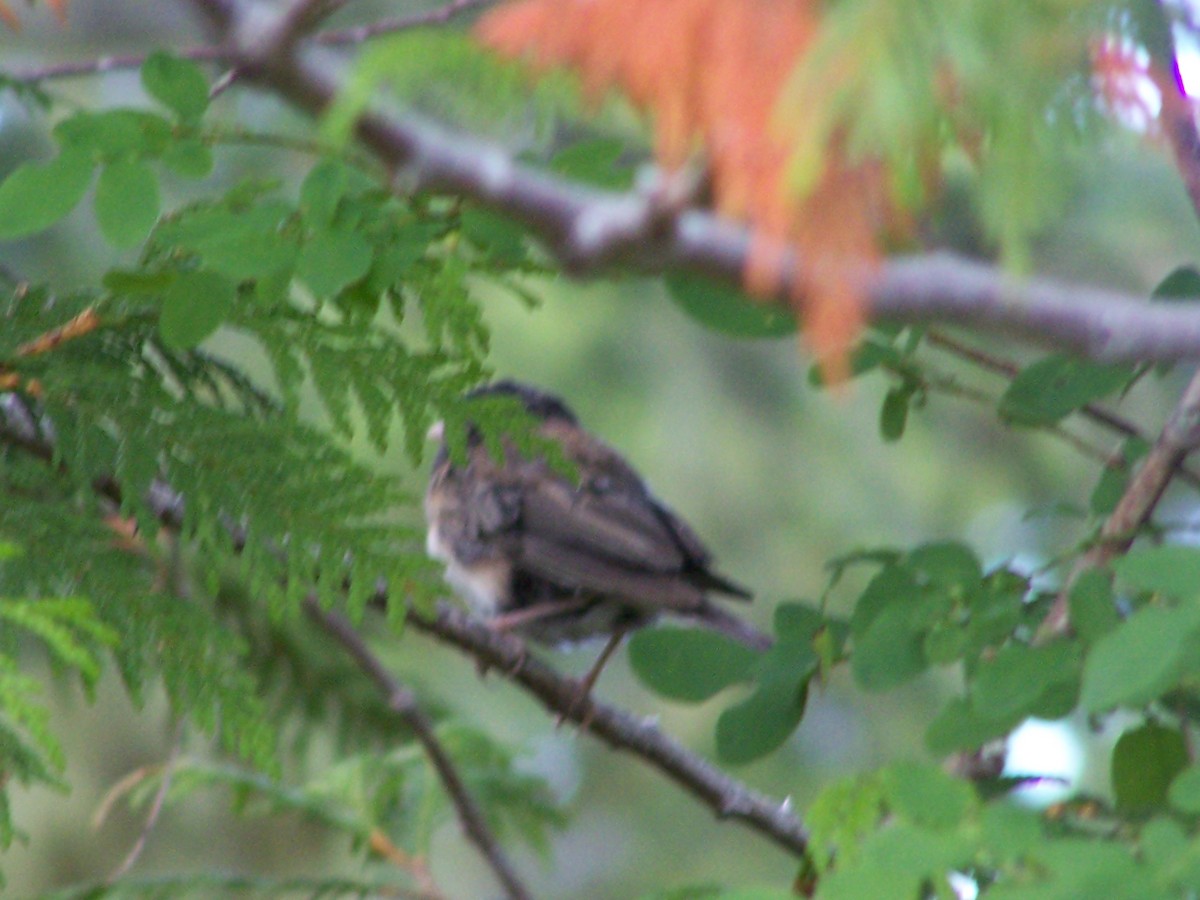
{"type": "Point", "coordinates": [600, 484]}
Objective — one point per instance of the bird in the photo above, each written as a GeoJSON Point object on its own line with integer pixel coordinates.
{"type": "Point", "coordinates": [561, 560]}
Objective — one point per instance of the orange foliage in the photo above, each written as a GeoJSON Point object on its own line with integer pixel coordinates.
{"type": "Point", "coordinates": [10, 18]}
{"type": "Point", "coordinates": [712, 72]}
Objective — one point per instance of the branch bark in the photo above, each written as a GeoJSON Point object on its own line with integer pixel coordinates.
{"type": "Point", "coordinates": [341, 37]}
{"type": "Point", "coordinates": [405, 705]}
{"type": "Point", "coordinates": [727, 797]}
{"type": "Point", "coordinates": [589, 230]}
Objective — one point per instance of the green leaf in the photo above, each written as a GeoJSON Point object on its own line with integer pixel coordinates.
{"type": "Point", "coordinates": [890, 652]}
{"type": "Point", "coordinates": [1185, 790]}
{"type": "Point", "coordinates": [322, 191]}
{"type": "Point", "coordinates": [1111, 484]}
{"type": "Point", "coordinates": [138, 282]}
{"type": "Point", "coordinates": [959, 726]}
{"type": "Point", "coordinates": [893, 584]}
{"type": "Point", "coordinates": [759, 724]}
{"type": "Point", "coordinates": [1010, 831]}
{"type": "Point", "coordinates": [1012, 684]}
{"type": "Point", "coordinates": [1164, 845]}
{"type": "Point", "coordinates": [194, 306]}
{"type": "Point", "coordinates": [897, 862]}
{"type": "Point", "coordinates": [594, 162]}
{"type": "Point", "coordinates": [36, 195]}
{"type": "Point", "coordinates": [1048, 390]}
{"type": "Point", "coordinates": [925, 795]}
{"type": "Point", "coordinates": [689, 664]}
{"type": "Point", "coordinates": [188, 158]}
{"type": "Point", "coordinates": [1140, 659]}
{"type": "Point", "coordinates": [948, 563]}
{"type": "Point", "coordinates": [500, 239]}
{"type": "Point", "coordinates": [116, 133]}
{"type": "Point", "coordinates": [178, 84]}
{"type": "Point", "coordinates": [1182, 283]}
{"type": "Point", "coordinates": [727, 309]}
{"type": "Point", "coordinates": [763, 721]}
{"type": "Point", "coordinates": [893, 415]}
{"type": "Point", "coordinates": [1171, 570]}
{"type": "Point", "coordinates": [1093, 608]}
{"type": "Point", "coordinates": [1145, 761]}
{"type": "Point", "coordinates": [797, 622]}
{"type": "Point", "coordinates": [870, 353]}
{"type": "Point", "coordinates": [330, 260]}
{"type": "Point", "coordinates": [126, 202]}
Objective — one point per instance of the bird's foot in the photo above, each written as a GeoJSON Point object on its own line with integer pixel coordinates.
{"type": "Point", "coordinates": [582, 699]}
{"type": "Point", "coordinates": [580, 707]}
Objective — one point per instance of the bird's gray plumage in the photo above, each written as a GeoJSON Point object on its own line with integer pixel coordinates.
{"type": "Point", "coordinates": [517, 535]}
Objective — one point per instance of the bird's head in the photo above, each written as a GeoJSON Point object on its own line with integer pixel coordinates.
{"type": "Point", "coordinates": [537, 403]}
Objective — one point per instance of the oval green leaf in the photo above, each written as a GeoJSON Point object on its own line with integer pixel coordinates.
{"type": "Point", "coordinates": [1093, 609]}
{"type": "Point", "coordinates": [890, 652]}
{"type": "Point", "coordinates": [1185, 790]}
{"type": "Point", "coordinates": [1052, 388]}
{"type": "Point", "coordinates": [330, 260]}
{"type": "Point", "coordinates": [925, 795]}
{"type": "Point", "coordinates": [728, 310]}
{"type": "Point", "coordinates": [596, 161]}
{"type": "Point", "coordinates": [1012, 684]}
{"type": "Point", "coordinates": [36, 195]}
{"type": "Point", "coordinates": [178, 84]}
{"type": "Point", "coordinates": [688, 664]}
{"type": "Point", "coordinates": [948, 563]}
{"type": "Point", "coordinates": [126, 202]}
{"type": "Point", "coordinates": [188, 158]}
{"type": "Point", "coordinates": [1138, 660]}
{"type": "Point", "coordinates": [1144, 763]}
{"type": "Point", "coordinates": [1172, 570]}
{"type": "Point", "coordinates": [756, 726]}
{"type": "Point", "coordinates": [893, 415]}
{"type": "Point", "coordinates": [194, 306]}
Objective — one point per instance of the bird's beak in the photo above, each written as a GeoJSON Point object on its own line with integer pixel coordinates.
{"type": "Point", "coordinates": [436, 431]}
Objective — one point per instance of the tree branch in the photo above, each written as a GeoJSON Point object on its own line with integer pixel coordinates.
{"type": "Point", "coordinates": [405, 705]}
{"type": "Point", "coordinates": [589, 229]}
{"type": "Point", "coordinates": [728, 798]}
{"type": "Point", "coordinates": [342, 37]}
{"type": "Point", "coordinates": [1098, 414]}
{"type": "Point", "coordinates": [1179, 437]}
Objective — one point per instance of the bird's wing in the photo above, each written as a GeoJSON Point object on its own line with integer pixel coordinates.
{"type": "Point", "coordinates": [612, 542]}
{"type": "Point", "coordinates": [612, 523]}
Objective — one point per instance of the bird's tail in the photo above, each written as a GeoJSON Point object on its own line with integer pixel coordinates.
{"type": "Point", "coordinates": [711, 581]}
{"type": "Point", "coordinates": [731, 626]}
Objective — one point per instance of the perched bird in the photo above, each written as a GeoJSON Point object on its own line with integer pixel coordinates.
{"type": "Point", "coordinates": [560, 560]}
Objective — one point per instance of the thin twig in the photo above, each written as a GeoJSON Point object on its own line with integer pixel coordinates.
{"type": "Point", "coordinates": [405, 705]}
{"type": "Point", "coordinates": [1181, 433]}
{"type": "Point", "coordinates": [343, 37]}
{"type": "Point", "coordinates": [1009, 369]}
{"type": "Point", "coordinates": [1179, 436]}
{"type": "Point", "coordinates": [156, 808]}
{"type": "Point", "coordinates": [362, 33]}
{"type": "Point", "coordinates": [933, 381]}
{"type": "Point", "coordinates": [728, 798]}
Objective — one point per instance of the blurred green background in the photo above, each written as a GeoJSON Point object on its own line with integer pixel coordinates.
{"type": "Point", "coordinates": [777, 476]}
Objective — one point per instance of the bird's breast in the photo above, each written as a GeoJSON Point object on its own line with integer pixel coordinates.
{"type": "Point", "coordinates": [484, 584]}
